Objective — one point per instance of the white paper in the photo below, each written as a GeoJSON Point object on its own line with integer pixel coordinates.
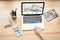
{"type": "Point", "coordinates": [5, 21]}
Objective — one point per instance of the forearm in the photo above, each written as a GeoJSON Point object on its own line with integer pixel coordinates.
{"type": "Point", "coordinates": [42, 36]}
{"type": "Point", "coordinates": [39, 33]}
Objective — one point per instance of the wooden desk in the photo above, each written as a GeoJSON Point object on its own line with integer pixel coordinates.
{"type": "Point", "coordinates": [52, 28]}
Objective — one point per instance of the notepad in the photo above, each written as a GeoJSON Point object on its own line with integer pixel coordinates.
{"type": "Point", "coordinates": [5, 20]}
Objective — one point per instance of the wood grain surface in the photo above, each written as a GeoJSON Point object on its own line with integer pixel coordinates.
{"type": "Point", "coordinates": [52, 28]}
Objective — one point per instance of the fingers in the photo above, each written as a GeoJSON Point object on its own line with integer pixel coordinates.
{"type": "Point", "coordinates": [37, 29]}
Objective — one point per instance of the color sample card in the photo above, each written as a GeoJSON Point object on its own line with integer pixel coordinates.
{"type": "Point", "coordinates": [52, 14]}
{"type": "Point", "coordinates": [17, 31]}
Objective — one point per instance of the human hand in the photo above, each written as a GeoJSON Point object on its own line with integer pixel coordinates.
{"type": "Point", "coordinates": [39, 32]}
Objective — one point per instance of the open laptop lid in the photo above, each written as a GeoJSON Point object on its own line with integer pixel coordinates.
{"type": "Point", "coordinates": [32, 8]}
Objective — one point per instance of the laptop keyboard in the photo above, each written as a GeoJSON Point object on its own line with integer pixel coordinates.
{"type": "Point", "coordinates": [32, 19]}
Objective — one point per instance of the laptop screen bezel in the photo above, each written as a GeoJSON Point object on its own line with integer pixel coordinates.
{"type": "Point", "coordinates": [31, 14]}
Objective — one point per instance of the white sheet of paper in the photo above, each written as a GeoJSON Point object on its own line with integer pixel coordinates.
{"type": "Point", "coordinates": [5, 20]}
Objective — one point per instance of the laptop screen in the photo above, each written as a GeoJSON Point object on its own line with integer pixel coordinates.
{"type": "Point", "coordinates": [32, 8]}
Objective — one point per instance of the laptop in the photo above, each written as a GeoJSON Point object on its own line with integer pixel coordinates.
{"type": "Point", "coordinates": [32, 15]}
